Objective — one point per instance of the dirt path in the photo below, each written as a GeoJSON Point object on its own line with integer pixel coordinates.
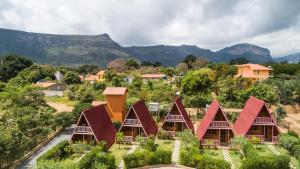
{"type": "Point", "coordinates": [60, 107]}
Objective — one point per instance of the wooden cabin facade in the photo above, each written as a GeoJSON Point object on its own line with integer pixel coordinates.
{"type": "Point", "coordinates": [138, 122]}
{"type": "Point", "coordinates": [93, 126]}
{"type": "Point", "coordinates": [215, 129]}
{"type": "Point", "coordinates": [177, 120]}
{"type": "Point", "coordinates": [255, 120]}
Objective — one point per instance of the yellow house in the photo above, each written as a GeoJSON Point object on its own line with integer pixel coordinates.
{"type": "Point", "coordinates": [254, 72]}
{"type": "Point", "coordinates": [100, 75]}
{"type": "Point", "coordinates": [116, 102]}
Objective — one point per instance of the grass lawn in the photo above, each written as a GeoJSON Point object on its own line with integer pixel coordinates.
{"type": "Point", "coordinates": [63, 100]}
{"type": "Point", "coordinates": [235, 157]}
{"type": "Point", "coordinates": [166, 144]}
{"type": "Point", "coordinates": [119, 152]}
{"type": "Point", "coordinates": [217, 153]}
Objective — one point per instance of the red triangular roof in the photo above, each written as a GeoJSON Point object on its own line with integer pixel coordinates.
{"type": "Point", "coordinates": [178, 104]}
{"type": "Point", "coordinates": [209, 117]}
{"type": "Point", "coordinates": [100, 124]}
{"type": "Point", "coordinates": [144, 117]}
{"type": "Point", "coordinates": [248, 115]}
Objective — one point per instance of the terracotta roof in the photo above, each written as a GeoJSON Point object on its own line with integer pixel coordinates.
{"type": "Point", "coordinates": [183, 112]}
{"type": "Point", "coordinates": [101, 72]}
{"type": "Point", "coordinates": [91, 77]}
{"type": "Point", "coordinates": [209, 117]}
{"type": "Point", "coordinates": [154, 75]}
{"type": "Point", "coordinates": [44, 84]}
{"type": "Point", "coordinates": [249, 113]}
{"type": "Point", "coordinates": [255, 66]}
{"type": "Point", "coordinates": [115, 91]}
{"type": "Point", "coordinates": [100, 124]}
{"type": "Point", "coordinates": [145, 117]}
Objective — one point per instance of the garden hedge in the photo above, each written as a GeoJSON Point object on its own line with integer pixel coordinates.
{"type": "Point", "coordinates": [145, 157]}
{"type": "Point", "coordinates": [266, 162]}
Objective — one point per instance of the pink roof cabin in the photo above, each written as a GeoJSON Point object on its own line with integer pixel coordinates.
{"type": "Point", "coordinates": [255, 120]}
{"type": "Point", "coordinates": [215, 129]}
{"type": "Point", "coordinates": [93, 126]}
{"type": "Point", "coordinates": [138, 121]}
{"type": "Point", "coordinates": [177, 120]}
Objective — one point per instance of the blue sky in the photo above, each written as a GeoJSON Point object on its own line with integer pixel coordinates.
{"type": "Point", "coordinates": [213, 24]}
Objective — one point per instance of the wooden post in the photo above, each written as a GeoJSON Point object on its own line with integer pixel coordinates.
{"type": "Point", "coordinates": [272, 133]}
{"type": "Point", "coordinates": [219, 136]}
{"type": "Point", "coordinates": [227, 137]}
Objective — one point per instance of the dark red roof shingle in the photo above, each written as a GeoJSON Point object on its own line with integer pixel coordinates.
{"type": "Point", "coordinates": [183, 112]}
{"type": "Point", "coordinates": [209, 117]}
{"type": "Point", "coordinates": [145, 118]}
{"type": "Point", "coordinates": [100, 124]}
{"type": "Point", "coordinates": [249, 113]}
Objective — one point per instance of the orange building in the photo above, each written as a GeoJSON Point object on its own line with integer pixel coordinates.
{"type": "Point", "coordinates": [254, 72]}
{"type": "Point", "coordinates": [116, 102]}
{"type": "Point", "coordinates": [100, 75]}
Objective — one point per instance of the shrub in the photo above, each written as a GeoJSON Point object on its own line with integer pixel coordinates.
{"type": "Point", "coordinates": [78, 108]}
{"type": "Point", "coordinates": [145, 157]}
{"type": "Point", "coordinates": [292, 133]}
{"type": "Point", "coordinates": [96, 157]}
{"type": "Point", "coordinates": [207, 162]}
{"type": "Point", "coordinates": [164, 135]}
{"type": "Point", "coordinates": [150, 144]}
{"type": "Point", "coordinates": [58, 152]}
{"type": "Point", "coordinates": [193, 158]}
{"type": "Point", "coordinates": [266, 162]}
{"type": "Point", "coordinates": [289, 142]}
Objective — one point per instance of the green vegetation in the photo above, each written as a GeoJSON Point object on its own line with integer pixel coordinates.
{"type": "Point", "coordinates": [150, 153]}
{"type": "Point", "coordinates": [76, 155]}
{"type": "Point", "coordinates": [119, 151]}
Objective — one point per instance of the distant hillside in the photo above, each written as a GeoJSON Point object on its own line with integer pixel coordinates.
{"type": "Point", "coordinates": [295, 58]}
{"type": "Point", "coordinates": [100, 49]}
{"type": "Point", "coordinates": [61, 49]}
{"type": "Point", "coordinates": [172, 55]}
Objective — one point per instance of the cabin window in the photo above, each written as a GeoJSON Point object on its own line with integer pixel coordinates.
{"type": "Point", "coordinates": [254, 128]}
{"type": "Point", "coordinates": [211, 132]}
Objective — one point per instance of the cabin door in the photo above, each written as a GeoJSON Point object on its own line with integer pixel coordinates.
{"type": "Point", "coordinates": [268, 133]}
{"type": "Point", "coordinates": [223, 136]}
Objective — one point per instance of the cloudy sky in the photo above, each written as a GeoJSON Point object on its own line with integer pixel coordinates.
{"type": "Point", "coordinates": [213, 24]}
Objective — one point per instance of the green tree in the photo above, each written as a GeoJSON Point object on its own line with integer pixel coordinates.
{"type": "Point", "coordinates": [238, 61]}
{"type": "Point", "coordinates": [198, 83]}
{"type": "Point", "coordinates": [131, 63]}
{"type": "Point", "coordinates": [88, 69]}
{"type": "Point", "coordinates": [189, 60]}
{"type": "Point", "coordinates": [262, 91]}
{"type": "Point", "coordinates": [72, 78]}
{"type": "Point", "coordinates": [280, 114]}
{"type": "Point", "coordinates": [109, 75]}
{"type": "Point", "coordinates": [11, 65]}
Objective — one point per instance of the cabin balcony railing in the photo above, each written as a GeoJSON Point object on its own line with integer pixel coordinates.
{"type": "Point", "coordinates": [83, 129]}
{"type": "Point", "coordinates": [263, 120]}
{"type": "Point", "coordinates": [210, 142]}
{"type": "Point", "coordinates": [175, 118]}
{"type": "Point", "coordinates": [259, 137]}
{"type": "Point", "coordinates": [131, 122]}
{"type": "Point", "coordinates": [219, 124]}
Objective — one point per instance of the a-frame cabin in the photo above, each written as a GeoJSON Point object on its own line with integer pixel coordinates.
{"type": "Point", "coordinates": [94, 125]}
{"type": "Point", "coordinates": [138, 121]}
{"type": "Point", "coordinates": [255, 120]}
{"type": "Point", "coordinates": [215, 129]}
{"type": "Point", "coordinates": [177, 120]}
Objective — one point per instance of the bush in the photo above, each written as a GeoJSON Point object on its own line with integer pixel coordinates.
{"type": "Point", "coordinates": [58, 152]}
{"type": "Point", "coordinates": [266, 162]}
{"type": "Point", "coordinates": [289, 142]}
{"type": "Point", "coordinates": [164, 135]}
{"type": "Point", "coordinates": [206, 162]}
{"type": "Point", "coordinates": [193, 158]}
{"type": "Point", "coordinates": [78, 108]}
{"type": "Point", "coordinates": [145, 157]}
{"type": "Point", "coordinates": [95, 158]}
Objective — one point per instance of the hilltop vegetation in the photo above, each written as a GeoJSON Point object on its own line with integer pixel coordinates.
{"type": "Point", "coordinates": [74, 50]}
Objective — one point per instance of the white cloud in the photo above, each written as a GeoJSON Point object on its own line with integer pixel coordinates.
{"type": "Point", "coordinates": [210, 24]}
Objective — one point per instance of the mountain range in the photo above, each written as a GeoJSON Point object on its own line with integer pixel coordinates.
{"type": "Point", "coordinates": [100, 49]}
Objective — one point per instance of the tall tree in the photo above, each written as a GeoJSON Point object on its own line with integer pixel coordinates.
{"type": "Point", "coordinates": [189, 60]}
{"type": "Point", "coordinates": [11, 65]}
{"type": "Point", "coordinates": [72, 78]}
